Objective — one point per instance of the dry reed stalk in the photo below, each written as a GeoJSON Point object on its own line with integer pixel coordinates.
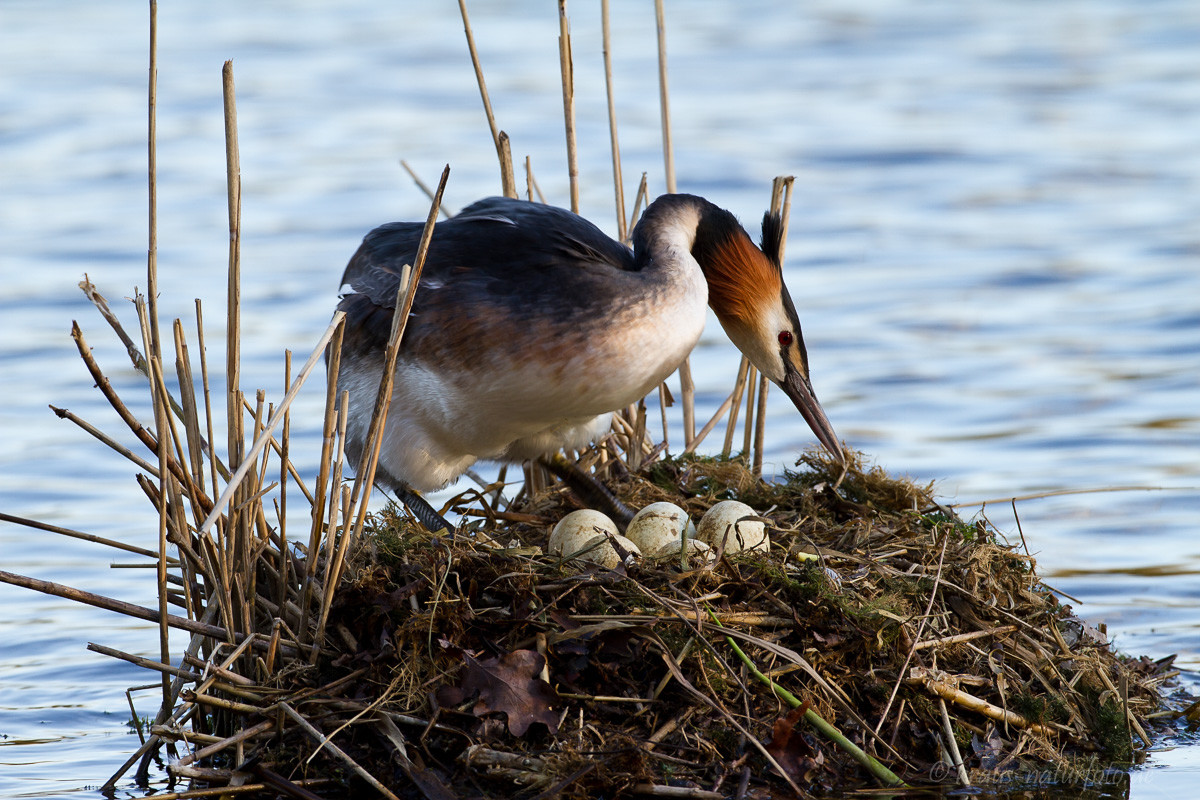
{"type": "Point", "coordinates": [508, 182]}
{"type": "Point", "coordinates": [964, 637]}
{"type": "Point", "coordinates": [424, 189]}
{"type": "Point", "coordinates": [739, 388]}
{"type": "Point", "coordinates": [152, 179]}
{"type": "Point", "coordinates": [164, 430]}
{"type": "Point", "coordinates": [145, 663]}
{"type": "Point", "coordinates": [781, 203]}
{"type": "Point", "coordinates": [325, 465]}
{"type": "Point", "coordinates": [664, 401]}
{"type": "Point", "coordinates": [149, 746]}
{"type": "Point", "coordinates": [760, 426]}
{"type": "Point", "coordinates": [618, 181]}
{"type": "Point", "coordinates": [87, 537]}
{"type": "Point", "coordinates": [98, 300]}
{"type": "Point", "coordinates": [637, 435]}
{"type": "Point", "coordinates": [406, 292]}
{"type": "Point", "coordinates": [687, 395]}
{"type": "Point", "coordinates": [566, 64]}
{"type": "Point", "coordinates": [506, 162]}
{"type": "Point", "coordinates": [246, 788]}
{"type": "Point", "coordinates": [226, 742]}
{"type": "Point", "coordinates": [748, 427]}
{"type": "Point", "coordinates": [721, 411]}
{"type": "Point", "coordinates": [334, 566]}
{"type": "Point", "coordinates": [944, 689]}
{"type": "Point", "coordinates": [105, 387]}
{"type": "Point", "coordinates": [340, 503]}
{"type": "Point", "coordinates": [187, 398]}
{"type": "Point", "coordinates": [233, 305]}
{"type": "Point", "coordinates": [664, 100]}
{"type": "Point", "coordinates": [641, 198]}
{"type": "Point", "coordinates": [783, 206]}
{"type": "Point", "coordinates": [281, 509]}
{"type": "Point", "coordinates": [109, 604]}
{"type": "Point", "coordinates": [531, 183]}
{"type": "Point", "coordinates": [101, 436]}
{"type": "Point", "coordinates": [215, 466]}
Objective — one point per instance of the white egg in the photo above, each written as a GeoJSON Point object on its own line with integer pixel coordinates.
{"type": "Point", "coordinates": [584, 535]}
{"type": "Point", "coordinates": [580, 526]}
{"type": "Point", "coordinates": [657, 524]}
{"type": "Point", "coordinates": [695, 549]}
{"type": "Point", "coordinates": [727, 521]}
{"type": "Point", "coordinates": [599, 550]}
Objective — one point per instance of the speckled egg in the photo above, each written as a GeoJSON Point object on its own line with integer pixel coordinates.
{"type": "Point", "coordinates": [722, 522]}
{"type": "Point", "coordinates": [658, 524]}
{"type": "Point", "coordinates": [599, 550]}
{"type": "Point", "coordinates": [579, 526]}
{"type": "Point", "coordinates": [584, 533]}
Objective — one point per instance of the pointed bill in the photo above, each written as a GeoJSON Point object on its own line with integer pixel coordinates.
{"type": "Point", "coordinates": [798, 388]}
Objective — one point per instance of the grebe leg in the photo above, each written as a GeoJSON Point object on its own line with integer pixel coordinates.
{"type": "Point", "coordinates": [588, 489]}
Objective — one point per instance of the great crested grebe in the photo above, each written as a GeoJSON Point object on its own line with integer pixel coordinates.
{"type": "Point", "coordinates": [530, 326]}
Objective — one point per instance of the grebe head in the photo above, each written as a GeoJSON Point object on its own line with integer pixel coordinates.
{"type": "Point", "coordinates": [747, 293]}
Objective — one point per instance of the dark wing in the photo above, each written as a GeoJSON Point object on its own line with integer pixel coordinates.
{"type": "Point", "coordinates": [499, 260]}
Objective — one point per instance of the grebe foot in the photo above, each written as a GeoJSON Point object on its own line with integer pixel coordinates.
{"type": "Point", "coordinates": [420, 508]}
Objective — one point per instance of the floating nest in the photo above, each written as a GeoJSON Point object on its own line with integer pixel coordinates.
{"type": "Point", "coordinates": [479, 666]}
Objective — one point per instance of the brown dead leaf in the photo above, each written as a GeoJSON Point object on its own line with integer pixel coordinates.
{"type": "Point", "coordinates": [509, 685]}
{"type": "Point", "coordinates": [789, 747]}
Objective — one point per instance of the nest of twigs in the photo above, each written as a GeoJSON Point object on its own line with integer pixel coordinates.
{"type": "Point", "coordinates": [479, 666]}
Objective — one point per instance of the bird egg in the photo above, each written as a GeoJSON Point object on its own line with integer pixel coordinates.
{"type": "Point", "coordinates": [727, 520]}
{"type": "Point", "coordinates": [695, 548]}
{"type": "Point", "coordinates": [658, 524]}
{"type": "Point", "coordinates": [585, 535]}
{"type": "Point", "coordinates": [599, 550]}
{"type": "Point", "coordinates": [580, 526]}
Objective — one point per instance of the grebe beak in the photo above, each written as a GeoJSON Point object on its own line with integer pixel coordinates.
{"type": "Point", "coordinates": [797, 387]}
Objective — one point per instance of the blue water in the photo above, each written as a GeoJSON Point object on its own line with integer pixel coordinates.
{"type": "Point", "coordinates": [993, 247]}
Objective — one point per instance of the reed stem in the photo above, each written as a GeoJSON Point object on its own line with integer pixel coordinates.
{"type": "Point", "coordinates": [568, 91]}
{"type": "Point", "coordinates": [618, 182]}
{"type": "Point", "coordinates": [508, 181]}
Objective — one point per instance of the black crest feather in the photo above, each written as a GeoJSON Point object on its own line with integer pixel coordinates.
{"type": "Point", "coordinates": [772, 237]}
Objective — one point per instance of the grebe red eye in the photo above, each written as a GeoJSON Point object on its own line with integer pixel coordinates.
{"type": "Point", "coordinates": [785, 338]}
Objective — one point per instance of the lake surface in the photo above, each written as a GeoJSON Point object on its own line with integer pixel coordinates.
{"type": "Point", "coordinates": [994, 248]}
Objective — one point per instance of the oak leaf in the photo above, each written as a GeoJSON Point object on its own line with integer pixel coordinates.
{"type": "Point", "coordinates": [509, 685]}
